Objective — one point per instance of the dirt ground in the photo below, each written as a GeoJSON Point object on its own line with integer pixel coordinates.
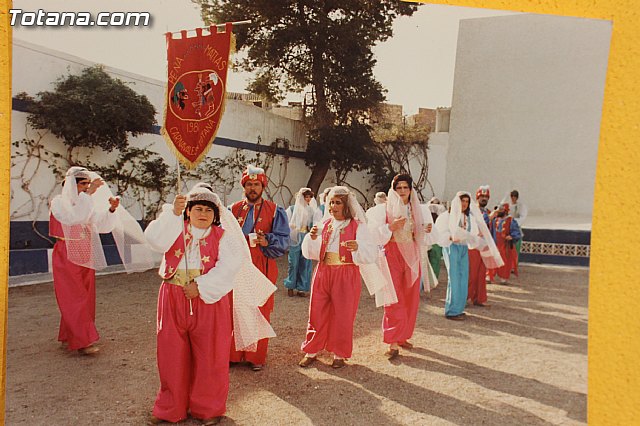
{"type": "Point", "coordinates": [523, 360]}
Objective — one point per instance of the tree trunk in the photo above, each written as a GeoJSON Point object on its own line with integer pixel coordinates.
{"type": "Point", "coordinates": [323, 119]}
{"type": "Point", "coordinates": [318, 173]}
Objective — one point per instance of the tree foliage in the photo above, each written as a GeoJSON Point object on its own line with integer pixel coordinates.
{"type": "Point", "coordinates": [91, 110]}
{"type": "Point", "coordinates": [349, 146]}
{"type": "Point", "coordinates": [324, 46]}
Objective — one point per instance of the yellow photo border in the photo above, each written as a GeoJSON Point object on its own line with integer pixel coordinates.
{"type": "Point", "coordinates": [614, 294]}
{"type": "Point", "coordinates": [5, 177]}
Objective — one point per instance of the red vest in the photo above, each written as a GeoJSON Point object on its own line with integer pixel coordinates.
{"type": "Point", "coordinates": [78, 232]}
{"type": "Point", "coordinates": [262, 222]}
{"type": "Point", "coordinates": [55, 227]}
{"type": "Point", "coordinates": [209, 247]}
{"type": "Point", "coordinates": [502, 227]}
{"type": "Point", "coordinates": [346, 234]}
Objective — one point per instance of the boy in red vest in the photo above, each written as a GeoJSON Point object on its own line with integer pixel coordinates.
{"type": "Point", "coordinates": [194, 314]}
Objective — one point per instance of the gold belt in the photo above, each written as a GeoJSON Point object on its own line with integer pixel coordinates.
{"type": "Point", "coordinates": [182, 277]}
{"type": "Point", "coordinates": [304, 229]}
{"type": "Point", "coordinates": [334, 259]}
{"type": "Point", "coordinates": [67, 239]}
{"type": "Point", "coordinates": [402, 237]}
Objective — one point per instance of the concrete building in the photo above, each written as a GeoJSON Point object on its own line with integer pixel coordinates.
{"type": "Point", "coordinates": [426, 117]}
{"type": "Point", "coordinates": [526, 110]}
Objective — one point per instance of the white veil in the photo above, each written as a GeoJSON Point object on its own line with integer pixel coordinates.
{"type": "Point", "coordinates": [353, 204]}
{"type": "Point", "coordinates": [84, 247]}
{"type": "Point", "coordinates": [251, 288]}
{"type": "Point", "coordinates": [133, 249]}
{"type": "Point", "coordinates": [302, 215]}
{"type": "Point", "coordinates": [409, 249]}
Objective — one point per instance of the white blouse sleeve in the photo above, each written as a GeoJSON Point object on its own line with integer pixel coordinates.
{"type": "Point", "coordinates": [219, 280]}
{"type": "Point", "coordinates": [80, 214]}
{"type": "Point", "coordinates": [442, 230]}
{"type": "Point", "coordinates": [311, 248]}
{"type": "Point", "coordinates": [317, 216]}
{"type": "Point", "coordinates": [367, 248]}
{"type": "Point", "coordinates": [104, 221]}
{"type": "Point", "coordinates": [378, 227]}
{"type": "Point", "coordinates": [162, 232]}
{"type": "Point", "coordinates": [522, 212]}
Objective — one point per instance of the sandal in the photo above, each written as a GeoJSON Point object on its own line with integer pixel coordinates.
{"type": "Point", "coordinates": [307, 361]}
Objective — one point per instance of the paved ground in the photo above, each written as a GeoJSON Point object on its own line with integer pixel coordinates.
{"type": "Point", "coordinates": [521, 361]}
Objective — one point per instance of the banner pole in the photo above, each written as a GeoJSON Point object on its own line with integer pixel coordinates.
{"type": "Point", "coordinates": [184, 239]}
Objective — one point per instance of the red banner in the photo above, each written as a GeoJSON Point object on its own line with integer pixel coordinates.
{"type": "Point", "coordinates": [196, 80]}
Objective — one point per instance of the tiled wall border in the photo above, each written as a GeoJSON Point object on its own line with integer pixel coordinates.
{"type": "Point", "coordinates": [556, 249]}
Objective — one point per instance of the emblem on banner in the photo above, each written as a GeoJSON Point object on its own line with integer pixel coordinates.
{"type": "Point", "coordinates": [197, 95]}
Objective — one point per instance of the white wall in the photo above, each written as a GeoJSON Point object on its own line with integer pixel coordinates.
{"type": "Point", "coordinates": [438, 147]}
{"type": "Point", "coordinates": [526, 110]}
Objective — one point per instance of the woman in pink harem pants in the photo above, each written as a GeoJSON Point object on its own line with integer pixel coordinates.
{"type": "Point", "coordinates": [335, 289]}
{"type": "Point", "coordinates": [401, 235]}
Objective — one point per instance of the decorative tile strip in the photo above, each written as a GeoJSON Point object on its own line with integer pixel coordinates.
{"type": "Point", "coordinates": [556, 249]}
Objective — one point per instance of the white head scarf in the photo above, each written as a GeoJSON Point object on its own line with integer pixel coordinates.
{"type": "Point", "coordinates": [323, 197]}
{"type": "Point", "coordinates": [302, 216]}
{"type": "Point", "coordinates": [251, 288]}
{"type": "Point", "coordinates": [410, 250]}
{"type": "Point", "coordinates": [203, 192]}
{"type": "Point", "coordinates": [478, 237]}
{"type": "Point", "coordinates": [70, 190]}
{"type": "Point", "coordinates": [380, 198]}
{"type": "Point", "coordinates": [352, 204]}
{"type": "Point", "coordinates": [434, 206]}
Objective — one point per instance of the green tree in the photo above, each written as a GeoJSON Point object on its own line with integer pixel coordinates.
{"type": "Point", "coordinates": [91, 110]}
{"type": "Point", "coordinates": [324, 46]}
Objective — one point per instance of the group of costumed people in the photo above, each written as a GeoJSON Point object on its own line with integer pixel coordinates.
{"type": "Point", "coordinates": [477, 245]}
{"type": "Point", "coordinates": [219, 270]}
